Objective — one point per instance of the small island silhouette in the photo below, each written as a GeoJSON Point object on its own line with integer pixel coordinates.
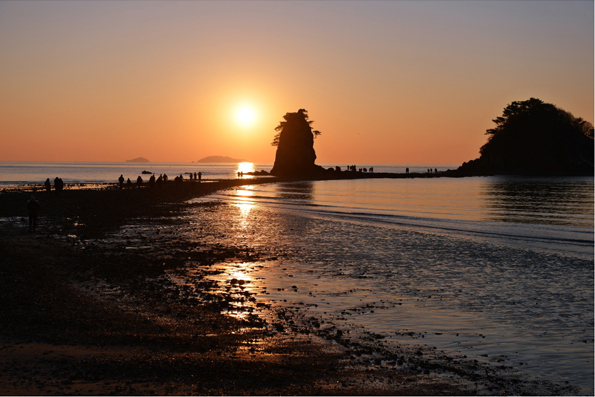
{"type": "Point", "coordinates": [138, 160]}
{"type": "Point", "coordinates": [220, 159]}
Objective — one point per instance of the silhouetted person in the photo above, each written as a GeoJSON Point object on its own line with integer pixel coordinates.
{"type": "Point", "coordinates": [199, 176]}
{"type": "Point", "coordinates": [139, 181]}
{"type": "Point", "coordinates": [128, 183]}
{"type": "Point", "coordinates": [152, 181]}
{"type": "Point", "coordinates": [435, 170]}
{"type": "Point", "coordinates": [32, 207]}
{"type": "Point", "coordinates": [48, 185]}
{"type": "Point", "coordinates": [164, 177]}
{"type": "Point", "coordinates": [121, 180]}
{"type": "Point", "coordinates": [159, 180]}
{"type": "Point", "coordinates": [406, 170]}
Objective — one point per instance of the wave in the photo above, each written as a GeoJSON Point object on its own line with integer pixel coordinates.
{"type": "Point", "coordinates": [569, 231]}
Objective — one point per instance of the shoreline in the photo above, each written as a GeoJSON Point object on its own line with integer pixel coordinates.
{"type": "Point", "coordinates": [138, 328]}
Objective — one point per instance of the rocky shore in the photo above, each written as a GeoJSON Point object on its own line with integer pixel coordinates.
{"type": "Point", "coordinates": [81, 316]}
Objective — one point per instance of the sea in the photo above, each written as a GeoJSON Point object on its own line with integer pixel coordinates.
{"type": "Point", "coordinates": [498, 270]}
{"type": "Point", "coordinates": [14, 173]}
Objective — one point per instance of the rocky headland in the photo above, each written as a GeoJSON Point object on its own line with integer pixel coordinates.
{"type": "Point", "coordinates": [535, 138]}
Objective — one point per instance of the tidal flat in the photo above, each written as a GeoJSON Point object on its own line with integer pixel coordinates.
{"type": "Point", "coordinates": [126, 295]}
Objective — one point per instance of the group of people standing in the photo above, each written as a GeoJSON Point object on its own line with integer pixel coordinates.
{"type": "Point", "coordinates": [58, 185]}
{"type": "Point", "coordinates": [163, 178]}
{"type": "Point", "coordinates": [139, 181]}
{"type": "Point", "coordinates": [353, 168]}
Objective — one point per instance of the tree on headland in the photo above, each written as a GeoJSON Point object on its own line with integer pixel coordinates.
{"type": "Point", "coordinates": [537, 138]}
{"type": "Point", "coordinates": [295, 146]}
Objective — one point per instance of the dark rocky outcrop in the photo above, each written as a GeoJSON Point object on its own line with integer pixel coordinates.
{"type": "Point", "coordinates": [535, 138]}
{"type": "Point", "coordinates": [295, 147]}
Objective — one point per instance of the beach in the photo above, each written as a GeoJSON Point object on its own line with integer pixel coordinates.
{"type": "Point", "coordinates": [86, 314]}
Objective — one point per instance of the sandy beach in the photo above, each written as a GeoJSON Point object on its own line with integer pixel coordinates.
{"type": "Point", "coordinates": [82, 317]}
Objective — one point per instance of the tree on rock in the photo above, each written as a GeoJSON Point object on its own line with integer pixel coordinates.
{"type": "Point", "coordinates": [536, 138]}
{"type": "Point", "coordinates": [295, 146]}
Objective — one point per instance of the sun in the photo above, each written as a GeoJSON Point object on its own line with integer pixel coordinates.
{"type": "Point", "coordinates": [245, 115]}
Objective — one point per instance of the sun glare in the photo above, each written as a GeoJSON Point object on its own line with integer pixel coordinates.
{"type": "Point", "coordinates": [245, 116]}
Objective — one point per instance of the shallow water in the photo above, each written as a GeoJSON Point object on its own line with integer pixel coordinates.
{"type": "Point", "coordinates": [24, 172]}
{"type": "Point", "coordinates": [499, 270]}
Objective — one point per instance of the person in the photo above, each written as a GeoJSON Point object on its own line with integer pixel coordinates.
{"type": "Point", "coordinates": [48, 185]}
{"type": "Point", "coordinates": [121, 180]}
{"type": "Point", "coordinates": [199, 176]}
{"type": "Point", "coordinates": [128, 183]}
{"type": "Point", "coordinates": [152, 181]}
{"type": "Point", "coordinates": [32, 207]}
{"type": "Point", "coordinates": [58, 185]}
{"type": "Point", "coordinates": [139, 181]}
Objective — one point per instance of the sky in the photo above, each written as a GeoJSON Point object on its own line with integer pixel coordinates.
{"type": "Point", "coordinates": [387, 82]}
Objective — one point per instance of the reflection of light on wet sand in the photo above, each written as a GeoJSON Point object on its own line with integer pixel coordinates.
{"type": "Point", "coordinates": [245, 202]}
{"type": "Point", "coordinates": [236, 280]}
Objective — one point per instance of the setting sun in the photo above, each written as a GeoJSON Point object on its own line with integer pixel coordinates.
{"type": "Point", "coordinates": [245, 116]}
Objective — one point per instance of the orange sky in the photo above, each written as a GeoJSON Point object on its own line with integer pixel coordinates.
{"type": "Point", "coordinates": [397, 82]}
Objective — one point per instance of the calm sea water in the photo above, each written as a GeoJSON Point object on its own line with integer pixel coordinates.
{"type": "Point", "coordinates": [16, 172]}
{"type": "Point", "coordinates": [497, 269]}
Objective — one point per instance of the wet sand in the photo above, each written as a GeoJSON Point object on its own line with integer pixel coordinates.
{"type": "Point", "coordinates": [80, 317]}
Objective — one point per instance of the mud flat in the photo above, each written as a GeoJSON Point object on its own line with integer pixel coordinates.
{"type": "Point", "coordinates": [92, 303]}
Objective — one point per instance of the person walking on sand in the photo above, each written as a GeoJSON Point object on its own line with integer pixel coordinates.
{"type": "Point", "coordinates": [48, 185]}
{"type": "Point", "coordinates": [139, 181]}
{"type": "Point", "coordinates": [121, 180]}
{"type": "Point", "coordinates": [32, 207]}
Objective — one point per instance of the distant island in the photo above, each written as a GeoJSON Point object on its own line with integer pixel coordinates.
{"type": "Point", "coordinates": [220, 159]}
{"type": "Point", "coordinates": [138, 160]}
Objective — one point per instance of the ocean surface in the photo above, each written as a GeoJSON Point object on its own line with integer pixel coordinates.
{"type": "Point", "coordinates": [494, 269]}
{"type": "Point", "coordinates": [20, 172]}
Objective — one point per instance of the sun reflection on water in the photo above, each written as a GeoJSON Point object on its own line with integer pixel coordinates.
{"type": "Point", "coordinates": [244, 168]}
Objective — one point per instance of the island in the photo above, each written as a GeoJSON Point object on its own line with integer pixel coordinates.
{"type": "Point", "coordinates": [138, 160]}
{"type": "Point", "coordinates": [220, 159]}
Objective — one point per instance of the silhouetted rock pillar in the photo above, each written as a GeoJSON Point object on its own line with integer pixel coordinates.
{"type": "Point", "coordinates": [295, 150]}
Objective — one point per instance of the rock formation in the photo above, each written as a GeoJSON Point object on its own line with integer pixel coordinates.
{"type": "Point", "coordinates": [535, 138]}
{"type": "Point", "coordinates": [295, 147]}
